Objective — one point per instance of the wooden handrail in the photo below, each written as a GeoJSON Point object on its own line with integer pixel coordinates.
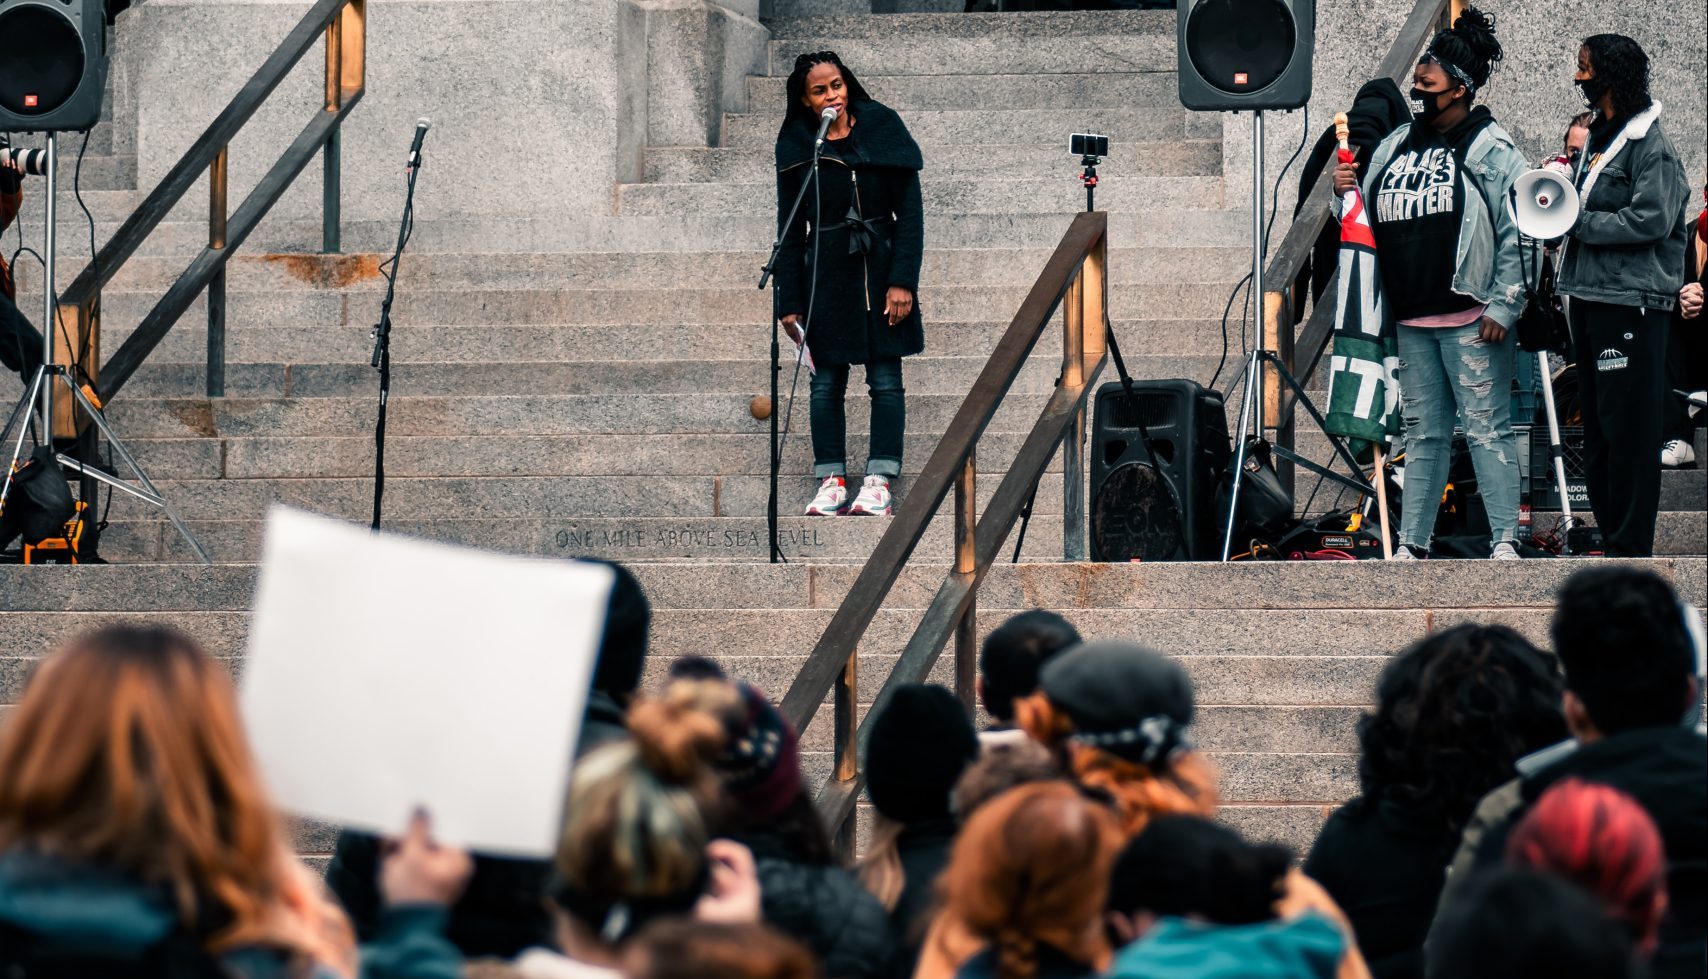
{"type": "Point", "coordinates": [343, 24]}
{"type": "Point", "coordinates": [1077, 273]}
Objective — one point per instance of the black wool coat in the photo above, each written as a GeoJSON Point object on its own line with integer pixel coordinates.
{"type": "Point", "coordinates": [872, 235]}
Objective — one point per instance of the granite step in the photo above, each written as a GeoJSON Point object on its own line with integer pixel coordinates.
{"type": "Point", "coordinates": [1111, 89]}
{"type": "Point", "coordinates": [1010, 43]}
{"type": "Point", "coordinates": [248, 309]}
{"type": "Point", "coordinates": [1144, 193]}
{"type": "Point", "coordinates": [687, 233]}
{"type": "Point", "coordinates": [756, 165]}
{"type": "Point", "coordinates": [1049, 127]}
{"type": "Point", "coordinates": [846, 540]}
{"type": "Point", "coordinates": [657, 271]}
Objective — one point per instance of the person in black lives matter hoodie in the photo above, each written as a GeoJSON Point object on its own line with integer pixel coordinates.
{"type": "Point", "coordinates": [1449, 255]}
{"type": "Point", "coordinates": [1621, 266]}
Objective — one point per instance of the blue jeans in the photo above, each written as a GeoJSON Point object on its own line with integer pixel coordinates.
{"type": "Point", "coordinates": [1446, 374]}
{"type": "Point", "coordinates": [830, 419]}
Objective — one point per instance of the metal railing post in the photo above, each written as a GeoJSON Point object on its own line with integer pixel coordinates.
{"type": "Point", "coordinates": [1073, 446]}
{"type": "Point", "coordinates": [845, 705]}
{"type": "Point", "coordinates": [216, 284]}
{"type": "Point", "coordinates": [331, 160]}
{"type": "Point", "coordinates": [966, 563]}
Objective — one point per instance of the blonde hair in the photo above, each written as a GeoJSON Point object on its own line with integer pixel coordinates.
{"type": "Point", "coordinates": [1186, 787]}
{"type": "Point", "coordinates": [641, 810]}
{"type": "Point", "coordinates": [880, 870]}
{"type": "Point", "coordinates": [127, 751]}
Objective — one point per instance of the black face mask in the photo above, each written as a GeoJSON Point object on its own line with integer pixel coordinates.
{"type": "Point", "coordinates": [1592, 89]}
{"type": "Point", "coordinates": [1430, 109]}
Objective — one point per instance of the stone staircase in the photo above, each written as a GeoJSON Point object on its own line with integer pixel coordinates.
{"type": "Point", "coordinates": [576, 391]}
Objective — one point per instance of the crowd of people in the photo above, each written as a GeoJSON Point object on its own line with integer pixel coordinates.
{"type": "Point", "coordinates": [1520, 813]}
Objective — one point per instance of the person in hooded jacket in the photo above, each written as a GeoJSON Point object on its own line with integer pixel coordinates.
{"type": "Point", "coordinates": [1621, 266]}
{"type": "Point", "coordinates": [920, 744]}
{"type": "Point", "coordinates": [1454, 713]}
{"type": "Point", "coordinates": [1631, 704]}
{"type": "Point", "coordinates": [503, 909]}
{"type": "Point", "coordinates": [1191, 899]}
{"type": "Point", "coordinates": [807, 894]}
{"type": "Point", "coordinates": [136, 840]}
{"type": "Point", "coordinates": [1449, 257]}
{"type": "Point", "coordinates": [848, 271]}
{"type": "Point", "coordinates": [1377, 110]}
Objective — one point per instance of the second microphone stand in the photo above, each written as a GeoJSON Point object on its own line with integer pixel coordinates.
{"type": "Point", "coordinates": [767, 277]}
{"type": "Point", "coordinates": [381, 359]}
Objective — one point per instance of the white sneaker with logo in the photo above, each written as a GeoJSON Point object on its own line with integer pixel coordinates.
{"type": "Point", "coordinates": [874, 498]}
{"type": "Point", "coordinates": [1678, 453]}
{"type": "Point", "coordinates": [832, 498]}
{"type": "Point", "coordinates": [1403, 553]}
{"type": "Point", "coordinates": [1505, 551]}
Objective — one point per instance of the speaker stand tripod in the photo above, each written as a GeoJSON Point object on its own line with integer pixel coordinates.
{"type": "Point", "coordinates": [40, 389]}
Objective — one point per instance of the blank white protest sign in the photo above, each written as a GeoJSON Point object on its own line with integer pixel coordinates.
{"type": "Point", "coordinates": [386, 673]}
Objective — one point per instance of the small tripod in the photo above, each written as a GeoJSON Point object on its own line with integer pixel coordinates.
{"type": "Point", "coordinates": [41, 387]}
{"type": "Point", "coordinates": [1088, 177]}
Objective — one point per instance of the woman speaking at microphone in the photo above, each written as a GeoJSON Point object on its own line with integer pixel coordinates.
{"type": "Point", "coordinates": [1622, 266]}
{"type": "Point", "coordinates": [1449, 257]}
{"type": "Point", "coordinates": [848, 270]}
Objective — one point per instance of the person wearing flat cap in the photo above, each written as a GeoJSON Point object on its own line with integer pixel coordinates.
{"type": "Point", "coordinates": [921, 742]}
{"type": "Point", "coordinates": [1118, 716]}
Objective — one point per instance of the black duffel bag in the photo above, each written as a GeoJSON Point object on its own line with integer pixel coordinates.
{"type": "Point", "coordinates": [39, 502]}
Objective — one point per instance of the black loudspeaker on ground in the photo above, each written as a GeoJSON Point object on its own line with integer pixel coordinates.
{"type": "Point", "coordinates": [1246, 54]}
{"type": "Point", "coordinates": [1156, 505]}
{"type": "Point", "coordinates": [53, 65]}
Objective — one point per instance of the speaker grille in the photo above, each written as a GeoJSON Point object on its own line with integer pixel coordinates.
{"type": "Point", "coordinates": [1135, 516]}
{"type": "Point", "coordinates": [41, 60]}
{"type": "Point", "coordinates": [1240, 46]}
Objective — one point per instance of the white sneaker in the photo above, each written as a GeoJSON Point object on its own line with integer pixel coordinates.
{"type": "Point", "coordinates": [1402, 553]}
{"type": "Point", "coordinates": [874, 498]}
{"type": "Point", "coordinates": [1505, 551]}
{"type": "Point", "coordinates": [832, 498]}
{"type": "Point", "coordinates": [1678, 453]}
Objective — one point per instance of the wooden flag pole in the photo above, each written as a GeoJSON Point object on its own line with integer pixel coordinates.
{"type": "Point", "coordinates": [1341, 134]}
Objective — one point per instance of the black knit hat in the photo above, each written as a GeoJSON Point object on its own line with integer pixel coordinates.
{"type": "Point", "coordinates": [1130, 701]}
{"type": "Point", "coordinates": [919, 745]}
{"type": "Point", "coordinates": [622, 650]}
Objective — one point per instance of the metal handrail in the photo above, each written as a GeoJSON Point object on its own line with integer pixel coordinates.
{"type": "Point", "coordinates": [344, 25]}
{"type": "Point", "coordinates": [1304, 354]}
{"type": "Point", "coordinates": [1077, 274]}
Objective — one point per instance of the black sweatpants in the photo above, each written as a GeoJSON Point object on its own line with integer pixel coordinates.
{"type": "Point", "coordinates": [1687, 370]}
{"type": "Point", "coordinates": [1621, 360]}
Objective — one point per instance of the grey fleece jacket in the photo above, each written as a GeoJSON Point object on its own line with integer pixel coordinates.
{"type": "Point", "coordinates": [1627, 247]}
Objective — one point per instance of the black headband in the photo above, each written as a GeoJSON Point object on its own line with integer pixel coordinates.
{"type": "Point", "coordinates": [1453, 71]}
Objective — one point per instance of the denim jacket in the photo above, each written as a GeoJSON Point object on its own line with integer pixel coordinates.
{"type": "Point", "coordinates": [1628, 245]}
{"type": "Point", "coordinates": [1487, 269]}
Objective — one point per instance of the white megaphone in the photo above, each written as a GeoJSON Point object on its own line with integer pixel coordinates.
{"type": "Point", "coordinates": [1544, 204]}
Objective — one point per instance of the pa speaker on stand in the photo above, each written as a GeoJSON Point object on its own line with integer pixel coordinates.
{"type": "Point", "coordinates": [53, 65]}
{"type": "Point", "coordinates": [1237, 55]}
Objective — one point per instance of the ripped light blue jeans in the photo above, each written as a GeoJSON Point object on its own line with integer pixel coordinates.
{"type": "Point", "coordinates": [1446, 374]}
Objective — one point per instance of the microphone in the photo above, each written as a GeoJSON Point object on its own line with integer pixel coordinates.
{"type": "Point", "coordinates": [825, 118]}
{"type": "Point", "coordinates": [421, 126]}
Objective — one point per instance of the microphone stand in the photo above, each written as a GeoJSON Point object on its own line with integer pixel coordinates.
{"type": "Point", "coordinates": [381, 359]}
{"type": "Point", "coordinates": [767, 278]}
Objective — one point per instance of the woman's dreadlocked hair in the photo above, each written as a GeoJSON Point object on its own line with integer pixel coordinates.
{"type": "Point", "coordinates": [1470, 46]}
{"type": "Point", "coordinates": [1621, 65]}
{"type": "Point", "coordinates": [797, 84]}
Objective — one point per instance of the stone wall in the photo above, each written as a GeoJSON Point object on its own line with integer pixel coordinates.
{"type": "Point", "coordinates": [539, 107]}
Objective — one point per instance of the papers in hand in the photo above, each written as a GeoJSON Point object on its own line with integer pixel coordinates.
{"type": "Point", "coordinates": [386, 673]}
{"type": "Point", "coordinates": [804, 356]}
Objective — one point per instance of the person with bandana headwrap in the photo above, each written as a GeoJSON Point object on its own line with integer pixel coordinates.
{"type": "Point", "coordinates": [1621, 268]}
{"type": "Point", "coordinates": [1437, 188]}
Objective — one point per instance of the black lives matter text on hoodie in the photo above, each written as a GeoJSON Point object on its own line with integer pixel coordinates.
{"type": "Point", "coordinates": [1418, 207]}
